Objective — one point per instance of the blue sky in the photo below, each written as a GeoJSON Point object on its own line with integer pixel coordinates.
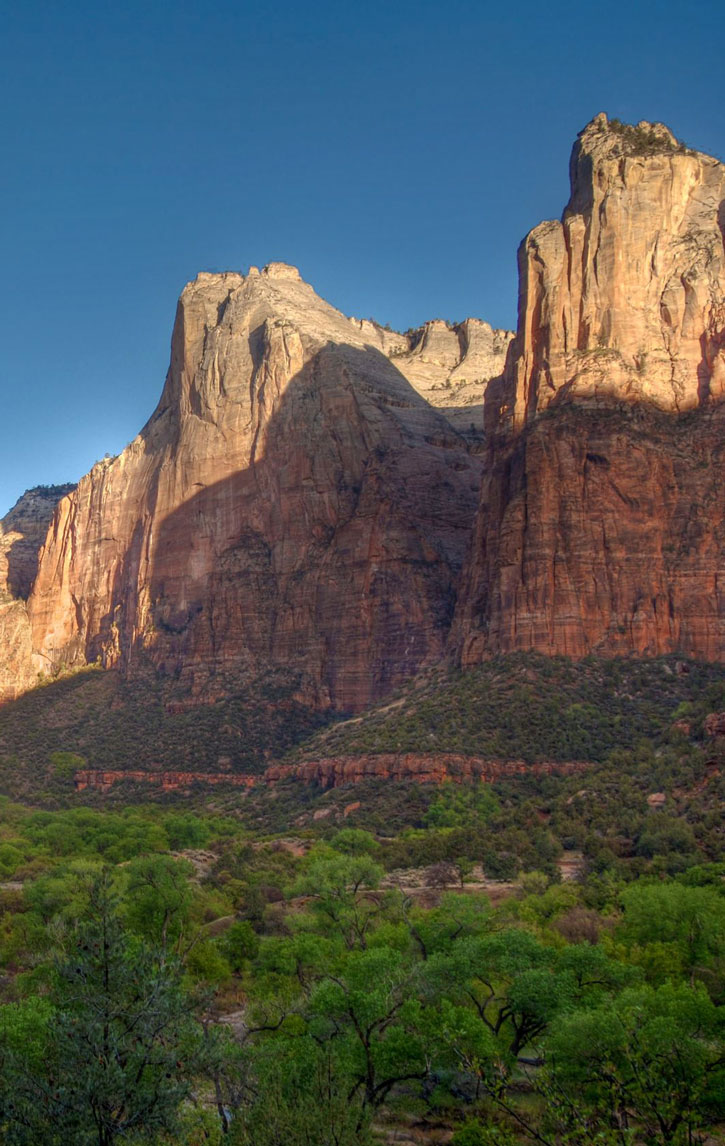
{"type": "Point", "coordinates": [397, 153]}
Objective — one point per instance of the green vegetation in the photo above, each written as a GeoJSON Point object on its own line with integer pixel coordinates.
{"type": "Point", "coordinates": [541, 959]}
{"type": "Point", "coordinates": [523, 707]}
{"type": "Point", "coordinates": [146, 724]}
{"type": "Point", "coordinates": [529, 707]}
{"type": "Point", "coordinates": [110, 1049]}
{"type": "Point", "coordinates": [261, 992]}
{"type": "Point", "coordinates": [645, 140]}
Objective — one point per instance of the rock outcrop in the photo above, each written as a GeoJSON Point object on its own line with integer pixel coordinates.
{"type": "Point", "coordinates": [715, 726]}
{"type": "Point", "coordinates": [601, 526]}
{"type": "Point", "coordinates": [168, 781]}
{"type": "Point", "coordinates": [292, 501]}
{"type": "Point", "coordinates": [625, 297]}
{"type": "Point", "coordinates": [418, 767]}
{"type": "Point", "coordinates": [22, 532]}
{"type": "Point", "coordinates": [337, 771]}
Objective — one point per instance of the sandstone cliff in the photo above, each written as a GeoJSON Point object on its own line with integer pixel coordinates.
{"type": "Point", "coordinates": [601, 525]}
{"type": "Point", "coordinates": [292, 501]}
{"type": "Point", "coordinates": [22, 532]}
{"type": "Point", "coordinates": [625, 297]}
{"type": "Point", "coordinates": [305, 493]}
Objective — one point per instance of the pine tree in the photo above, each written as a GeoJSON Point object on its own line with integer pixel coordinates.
{"type": "Point", "coordinates": [120, 1043]}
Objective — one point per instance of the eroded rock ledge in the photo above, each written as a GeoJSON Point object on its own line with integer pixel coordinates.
{"type": "Point", "coordinates": [335, 771]}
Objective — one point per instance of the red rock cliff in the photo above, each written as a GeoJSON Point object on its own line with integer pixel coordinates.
{"type": "Point", "coordinates": [292, 501]}
{"type": "Point", "coordinates": [22, 532]}
{"type": "Point", "coordinates": [601, 525]}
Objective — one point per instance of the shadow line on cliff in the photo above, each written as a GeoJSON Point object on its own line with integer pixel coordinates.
{"type": "Point", "coordinates": [601, 532]}
{"type": "Point", "coordinates": [336, 549]}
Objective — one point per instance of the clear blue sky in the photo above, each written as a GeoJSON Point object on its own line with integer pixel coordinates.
{"type": "Point", "coordinates": [396, 152]}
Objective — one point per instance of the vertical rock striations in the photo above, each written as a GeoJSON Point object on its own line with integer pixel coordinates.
{"type": "Point", "coordinates": [601, 525]}
{"type": "Point", "coordinates": [292, 502]}
{"type": "Point", "coordinates": [22, 532]}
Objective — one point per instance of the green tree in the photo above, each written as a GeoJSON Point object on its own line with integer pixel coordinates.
{"type": "Point", "coordinates": [341, 890]}
{"type": "Point", "coordinates": [157, 900]}
{"type": "Point", "coordinates": [370, 1009]}
{"type": "Point", "coordinates": [297, 1094]}
{"type": "Point", "coordinates": [66, 764]}
{"type": "Point", "coordinates": [651, 1062]}
{"type": "Point", "coordinates": [114, 1054]}
{"type": "Point", "coordinates": [671, 929]}
{"type": "Point", "coordinates": [509, 981]}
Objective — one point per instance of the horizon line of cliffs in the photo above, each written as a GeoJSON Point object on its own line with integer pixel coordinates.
{"type": "Point", "coordinates": [317, 492]}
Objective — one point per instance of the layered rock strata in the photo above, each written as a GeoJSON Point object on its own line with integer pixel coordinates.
{"type": "Point", "coordinates": [334, 772]}
{"type": "Point", "coordinates": [421, 768]}
{"type": "Point", "coordinates": [292, 501]}
{"type": "Point", "coordinates": [601, 526]}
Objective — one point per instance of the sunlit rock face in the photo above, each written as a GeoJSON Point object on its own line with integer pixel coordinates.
{"type": "Point", "coordinates": [22, 532]}
{"type": "Point", "coordinates": [625, 296]}
{"type": "Point", "coordinates": [307, 491]}
{"type": "Point", "coordinates": [601, 524]}
{"type": "Point", "coordinates": [293, 501]}
{"type": "Point", "coordinates": [450, 364]}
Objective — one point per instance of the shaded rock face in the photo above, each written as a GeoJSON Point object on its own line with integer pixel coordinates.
{"type": "Point", "coordinates": [22, 532]}
{"type": "Point", "coordinates": [602, 531]}
{"type": "Point", "coordinates": [601, 525]}
{"type": "Point", "coordinates": [168, 781]}
{"type": "Point", "coordinates": [292, 501]}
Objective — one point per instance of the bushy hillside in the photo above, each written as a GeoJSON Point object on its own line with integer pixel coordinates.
{"type": "Point", "coordinates": [149, 724]}
{"type": "Point", "coordinates": [529, 707]}
{"type": "Point", "coordinates": [524, 707]}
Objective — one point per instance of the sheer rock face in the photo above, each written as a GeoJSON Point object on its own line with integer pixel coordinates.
{"type": "Point", "coordinates": [625, 297]}
{"type": "Point", "coordinates": [22, 532]}
{"type": "Point", "coordinates": [601, 531]}
{"type": "Point", "coordinates": [601, 525]}
{"type": "Point", "coordinates": [292, 501]}
{"type": "Point", "coordinates": [451, 366]}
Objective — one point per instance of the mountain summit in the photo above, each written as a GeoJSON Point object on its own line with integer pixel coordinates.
{"type": "Point", "coordinates": [601, 524]}
{"type": "Point", "coordinates": [293, 501]}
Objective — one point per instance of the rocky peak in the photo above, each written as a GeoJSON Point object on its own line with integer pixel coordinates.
{"type": "Point", "coordinates": [281, 271]}
{"type": "Point", "coordinates": [624, 299]}
{"type": "Point", "coordinates": [601, 525]}
{"type": "Point", "coordinates": [292, 501]}
{"type": "Point", "coordinates": [603, 139]}
{"type": "Point", "coordinates": [450, 364]}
